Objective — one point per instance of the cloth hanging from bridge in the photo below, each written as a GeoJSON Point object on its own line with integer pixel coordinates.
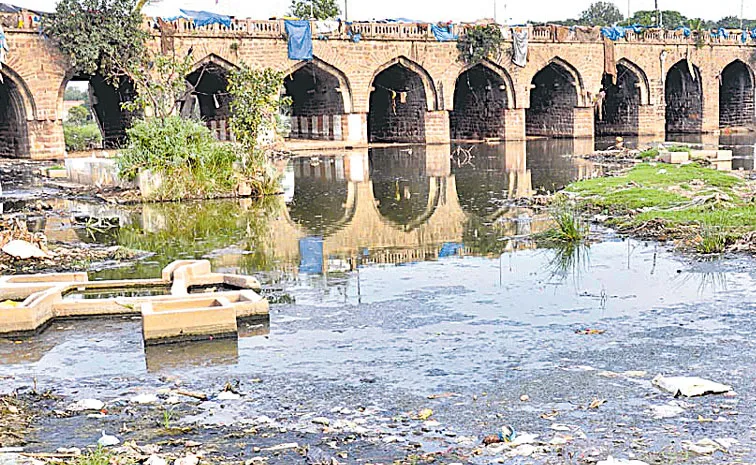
{"type": "Point", "coordinates": [300, 39]}
{"type": "Point", "coordinates": [327, 27]}
{"type": "Point", "coordinates": [610, 65]}
{"type": "Point", "coordinates": [520, 48]}
{"type": "Point", "coordinates": [443, 33]}
{"type": "Point", "coordinates": [3, 50]}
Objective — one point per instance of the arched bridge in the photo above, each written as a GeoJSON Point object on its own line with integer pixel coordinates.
{"type": "Point", "coordinates": [398, 84]}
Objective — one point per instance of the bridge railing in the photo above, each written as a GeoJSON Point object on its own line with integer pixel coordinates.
{"type": "Point", "coordinates": [26, 21]}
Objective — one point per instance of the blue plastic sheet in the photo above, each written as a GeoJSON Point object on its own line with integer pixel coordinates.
{"type": "Point", "coordinates": [300, 39]}
{"type": "Point", "coordinates": [205, 18]}
{"type": "Point", "coordinates": [753, 34]}
{"type": "Point", "coordinates": [443, 34]}
{"type": "Point", "coordinates": [613, 33]}
{"type": "Point", "coordinates": [449, 249]}
{"type": "Point", "coordinates": [686, 30]}
{"type": "Point", "coordinates": [721, 34]}
{"type": "Point", "coordinates": [311, 255]}
{"type": "Point", "coordinates": [744, 36]}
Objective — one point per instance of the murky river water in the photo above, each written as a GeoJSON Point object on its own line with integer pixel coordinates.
{"type": "Point", "coordinates": [402, 273]}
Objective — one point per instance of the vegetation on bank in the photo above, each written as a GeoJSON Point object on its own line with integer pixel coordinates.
{"type": "Point", "coordinates": [106, 37]}
{"type": "Point", "coordinates": [703, 209]}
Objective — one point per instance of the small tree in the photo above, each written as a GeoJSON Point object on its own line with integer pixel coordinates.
{"type": "Point", "coordinates": [316, 9]}
{"type": "Point", "coordinates": [160, 83]}
{"type": "Point", "coordinates": [79, 115]}
{"type": "Point", "coordinates": [479, 43]}
{"type": "Point", "coordinates": [254, 106]}
{"type": "Point", "coordinates": [97, 35]}
{"type": "Point", "coordinates": [601, 14]}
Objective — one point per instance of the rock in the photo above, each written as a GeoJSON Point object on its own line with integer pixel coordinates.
{"type": "Point", "coordinates": [71, 450]}
{"type": "Point", "coordinates": [285, 446]}
{"type": "Point", "coordinates": [155, 460]}
{"type": "Point", "coordinates": [612, 461]}
{"type": "Point", "coordinates": [144, 399]}
{"type": "Point", "coordinates": [702, 447]}
{"type": "Point", "coordinates": [524, 398]}
{"type": "Point", "coordinates": [321, 421]}
{"type": "Point", "coordinates": [86, 404]}
{"type": "Point", "coordinates": [23, 250]}
{"type": "Point", "coordinates": [424, 414]}
{"type": "Point", "coordinates": [689, 386]}
{"type": "Point", "coordinates": [189, 459]}
{"type": "Point", "coordinates": [667, 411]}
{"type": "Point", "coordinates": [525, 450]}
{"type": "Point", "coordinates": [108, 440]}
{"type": "Point", "coordinates": [228, 395]}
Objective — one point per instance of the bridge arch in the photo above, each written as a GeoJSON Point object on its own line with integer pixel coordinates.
{"type": "Point", "coordinates": [17, 108]}
{"type": "Point", "coordinates": [618, 107]}
{"type": "Point", "coordinates": [736, 96]}
{"type": "Point", "coordinates": [683, 94]}
{"type": "Point", "coordinates": [482, 93]}
{"type": "Point", "coordinates": [210, 100]}
{"type": "Point", "coordinates": [402, 92]}
{"type": "Point", "coordinates": [317, 66]}
{"type": "Point", "coordinates": [555, 92]}
{"type": "Point", "coordinates": [105, 99]}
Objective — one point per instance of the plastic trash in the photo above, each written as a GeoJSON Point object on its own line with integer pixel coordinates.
{"type": "Point", "coordinates": [144, 399]}
{"type": "Point", "coordinates": [689, 386]}
{"type": "Point", "coordinates": [190, 459]}
{"type": "Point", "coordinates": [23, 250]}
{"type": "Point", "coordinates": [507, 434]}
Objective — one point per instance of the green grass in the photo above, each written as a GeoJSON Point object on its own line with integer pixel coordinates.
{"type": "Point", "coordinates": [679, 195]}
{"type": "Point", "coordinates": [658, 176]}
{"type": "Point", "coordinates": [100, 457]}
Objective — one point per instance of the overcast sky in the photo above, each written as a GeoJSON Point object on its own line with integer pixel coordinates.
{"type": "Point", "coordinates": [457, 10]}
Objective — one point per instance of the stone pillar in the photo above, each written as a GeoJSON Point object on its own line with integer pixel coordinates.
{"type": "Point", "coordinates": [651, 120]}
{"type": "Point", "coordinates": [583, 123]}
{"type": "Point", "coordinates": [514, 124]}
{"type": "Point", "coordinates": [46, 141]}
{"type": "Point", "coordinates": [437, 129]}
{"type": "Point", "coordinates": [354, 126]}
{"type": "Point", "coordinates": [710, 91]}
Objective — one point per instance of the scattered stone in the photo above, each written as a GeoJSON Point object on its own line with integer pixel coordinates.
{"type": "Point", "coordinates": [689, 386]}
{"type": "Point", "coordinates": [702, 447]}
{"type": "Point", "coordinates": [228, 395]}
{"type": "Point", "coordinates": [321, 421]}
{"type": "Point", "coordinates": [23, 250]}
{"type": "Point", "coordinates": [108, 440]}
{"type": "Point", "coordinates": [86, 404]}
{"type": "Point", "coordinates": [144, 399]}
{"type": "Point", "coordinates": [669, 410]}
{"type": "Point", "coordinates": [285, 446]}
{"type": "Point", "coordinates": [612, 461]}
{"type": "Point", "coordinates": [524, 398]}
{"type": "Point", "coordinates": [155, 460]}
{"type": "Point", "coordinates": [424, 414]}
{"type": "Point", "coordinates": [189, 459]}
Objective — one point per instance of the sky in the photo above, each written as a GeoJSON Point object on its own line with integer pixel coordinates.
{"type": "Point", "coordinates": [511, 11]}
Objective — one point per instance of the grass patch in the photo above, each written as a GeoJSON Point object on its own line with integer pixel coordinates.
{"type": "Point", "coordinates": [100, 457]}
{"type": "Point", "coordinates": [700, 205]}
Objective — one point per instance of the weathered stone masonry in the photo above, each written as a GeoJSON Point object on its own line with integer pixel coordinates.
{"type": "Point", "coordinates": [399, 85]}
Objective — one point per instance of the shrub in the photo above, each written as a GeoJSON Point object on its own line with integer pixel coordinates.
{"type": "Point", "coordinates": [192, 162]}
{"type": "Point", "coordinates": [82, 137]}
{"type": "Point", "coordinates": [480, 43]}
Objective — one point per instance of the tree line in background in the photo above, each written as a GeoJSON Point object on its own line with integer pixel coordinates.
{"type": "Point", "coordinates": [607, 14]}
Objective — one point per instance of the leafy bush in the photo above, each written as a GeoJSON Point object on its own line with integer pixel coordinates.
{"type": "Point", "coordinates": [82, 137]}
{"type": "Point", "coordinates": [79, 115]}
{"type": "Point", "coordinates": [192, 162]}
{"type": "Point", "coordinates": [479, 43]}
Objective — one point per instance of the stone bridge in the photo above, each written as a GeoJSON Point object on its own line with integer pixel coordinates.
{"type": "Point", "coordinates": [398, 84]}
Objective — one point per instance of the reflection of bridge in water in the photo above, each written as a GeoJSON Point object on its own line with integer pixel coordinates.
{"type": "Point", "coordinates": [414, 203]}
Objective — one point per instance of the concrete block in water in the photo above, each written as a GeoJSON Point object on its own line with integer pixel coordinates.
{"type": "Point", "coordinates": [674, 158]}
{"type": "Point", "coordinates": [188, 319]}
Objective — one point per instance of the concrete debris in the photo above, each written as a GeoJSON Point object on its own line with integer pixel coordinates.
{"type": "Point", "coordinates": [155, 460]}
{"type": "Point", "coordinates": [228, 395]}
{"type": "Point", "coordinates": [689, 386]}
{"type": "Point", "coordinates": [669, 410]}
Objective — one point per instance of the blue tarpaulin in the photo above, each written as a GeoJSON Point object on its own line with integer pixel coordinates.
{"type": "Point", "coordinates": [721, 34]}
{"type": "Point", "coordinates": [205, 18]}
{"type": "Point", "coordinates": [300, 39]}
{"type": "Point", "coordinates": [744, 36]}
{"type": "Point", "coordinates": [443, 34]}
{"type": "Point", "coordinates": [619, 32]}
{"type": "Point", "coordinates": [613, 33]}
{"type": "Point", "coordinates": [753, 33]}
{"type": "Point", "coordinates": [311, 255]}
{"type": "Point", "coordinates": [449, 249]}
{"type": "Point", "coordinates": [686, 30]}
